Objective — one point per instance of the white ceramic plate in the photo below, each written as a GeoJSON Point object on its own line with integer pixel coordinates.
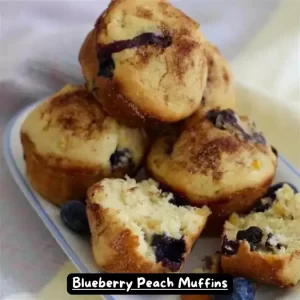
{"type": "Point", "coordinates": [78, 248]}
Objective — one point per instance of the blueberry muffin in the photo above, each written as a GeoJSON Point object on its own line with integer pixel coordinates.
{"type": "Point", "coordinates": [147, 60]}
{"type": "Point", "coordinates": [136, 228]}
{"type": "Point", "coordinates": [218, 159]}
{"type": "Point", "coordinates": [69, 144]}
{"type": "Point", "coordinates": [268, 237]}
{"type": "Point", "coordinates": [219, 91]}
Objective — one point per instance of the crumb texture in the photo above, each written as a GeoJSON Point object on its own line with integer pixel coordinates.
{"type": "Point", "coordinates": [164, 231]}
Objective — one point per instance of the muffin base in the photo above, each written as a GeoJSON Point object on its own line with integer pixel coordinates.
{"type": "Point", "coordinates": [125, 111]}
{"type": "Point", "coordinates": [282, 271]}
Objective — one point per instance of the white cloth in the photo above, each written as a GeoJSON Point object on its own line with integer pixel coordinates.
{"type": "Point", "coordinates": [39, 43]}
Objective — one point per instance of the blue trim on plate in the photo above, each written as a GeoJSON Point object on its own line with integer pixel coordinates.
{"type": "Point", "coordinates": [20, 179]}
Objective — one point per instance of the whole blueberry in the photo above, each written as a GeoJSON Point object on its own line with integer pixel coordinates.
{"type": "Point", "coordinates": [253, 235]}
{"type": "Point", "coordinates": [243, 289]}
{"type": "Point", "coordinates": [73, 214]}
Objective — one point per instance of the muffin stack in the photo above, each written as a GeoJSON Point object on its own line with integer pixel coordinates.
{"type": "Point", "coordinates": [157, 94]}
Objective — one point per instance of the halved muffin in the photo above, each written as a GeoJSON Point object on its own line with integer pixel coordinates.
{"type": "Point", "coordinates": [265, 245]}
{"type": "Point", "coordinates": [69, 144]}
{"type": "Point", "coordinates": [136, 228]}
{"type": "Point", "coordinates": [218, 159]}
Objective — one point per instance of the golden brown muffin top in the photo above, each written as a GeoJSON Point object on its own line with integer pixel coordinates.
{"type": "Point", "coordinates": [71, 128]}
{"type": "Point", "coordinates": [215, 152]}
{"type": "Point", "coordinates": [154, 54]}
{"type": "Point", "coordinates": [74, 109]}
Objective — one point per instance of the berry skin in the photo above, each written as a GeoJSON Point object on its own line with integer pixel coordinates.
{"type": "Point", "coordinates": [73, 214]}
{"type": "Point", "coordinates": [169, 251]}
{"type": "Point", "coordinates": [243, 289]}
{"type": "Point", "coordinates": [271, 195]}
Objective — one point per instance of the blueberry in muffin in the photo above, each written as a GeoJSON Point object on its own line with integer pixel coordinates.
{"type": "Point", "coordinates": [148, 62]}
{"type": "Point", "coordinates": [267, 238]}
{"type": "Point", "coordinates": [135, 227]}
{"type": "Point", "coordinates": [70, 143]}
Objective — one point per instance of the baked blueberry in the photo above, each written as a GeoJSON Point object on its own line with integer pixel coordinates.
{"type": "Point", "coordinates": [222, 118]}
{"type": "Point", "coordinates": [73, 214]}
{"type": "Point", "coordinates": [243, 289]}
{"type": "Point", "coordinates": [267, 200]}
{"type": "Point", "coordinates": [177, 200]}
{"type": "Point", "coordinates": [105, 52]}
{"type": "Point", "coordinates": [253, 235]}
{"type": "Point", "coordinates": [259, 138]}
{"type": "Point", "coordinates": [106, 66]}
{"type": "Point", "coordinates": [229, 247]}
{"type": "Point", "coordinates": [271, 193]}
{"type": "Point", "coordinates": [121, 159]}
{"type": "Point", "coordinates": [169, 251]}
{"type": "Point", "coordinates": [263, 205]}
{"type": "Point", "coordinates": [228, 120]}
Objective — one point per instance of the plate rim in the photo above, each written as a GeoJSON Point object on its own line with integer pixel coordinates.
{"type": "Point", "coordinates": [21, 182]}
{"type": "Point", "coordinates": [34, 202]}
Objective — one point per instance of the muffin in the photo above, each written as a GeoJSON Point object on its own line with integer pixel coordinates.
{"type": "Point", "coordinates": [268, 237]}
{"type": "Point", "coordinates": [136, 228]}
{"type": "Point", "coordinates": [218, 159]}
{"type": "Point", "coordinates": [147, 60]}
{"type": "Point", "coordinates": [69, 144]}
{"type": "Point", "coordinates": [219, 91]}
